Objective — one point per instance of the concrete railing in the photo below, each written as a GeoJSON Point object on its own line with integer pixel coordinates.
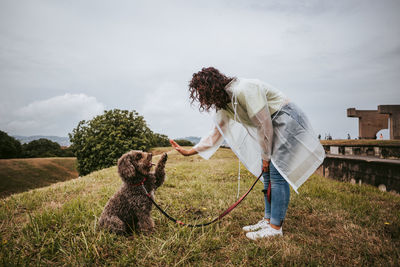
{"type": "Point", "coordinates": [383, 173]}
{"type": "Point", "coordinates": [378, 151]}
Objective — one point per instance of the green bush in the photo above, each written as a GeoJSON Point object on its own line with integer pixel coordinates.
{"type": "Point", "coordinates": [67, 152]}
{"type": "Point", "coordinates": [160, 140]}
{"type": "Point", "coordinates": [9, 146]}
{"type": "Point", "coordinates": [183, 142]}
{"type": "Point", "coordinates": [41, 148]}
{"type": "Point", "coordinates": [99, 143]}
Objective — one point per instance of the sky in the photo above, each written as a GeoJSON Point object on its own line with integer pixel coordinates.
{"type": "Point", "coordinates": [66, 61]}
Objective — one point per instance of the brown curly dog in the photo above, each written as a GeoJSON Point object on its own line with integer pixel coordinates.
{"type": "Point", "coordinates": [129, 209]}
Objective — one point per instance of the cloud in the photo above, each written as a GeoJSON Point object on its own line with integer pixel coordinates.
{"type": "Point", "coordinates": [324, 55]}
{"type": "Point", "coordinates": [54, 116]}
{"type": "Point", "coordinates": [167, 110]}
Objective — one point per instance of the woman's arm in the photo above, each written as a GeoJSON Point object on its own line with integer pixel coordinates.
{"type": "Point", "coordinates": [181, 150]}
{"type": "Point", "coordinates": [206, 147]}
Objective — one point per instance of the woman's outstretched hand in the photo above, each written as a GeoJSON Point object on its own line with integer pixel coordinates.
{"type": "Point", "coordinates": [176, 146]}
{"type": "Point", "coordinates": [181, 150]}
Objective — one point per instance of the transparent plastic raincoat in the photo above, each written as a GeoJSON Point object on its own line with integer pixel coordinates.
{"type": "Point", "coordinates": [286, 138]}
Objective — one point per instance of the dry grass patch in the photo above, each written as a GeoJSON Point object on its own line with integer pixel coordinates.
{"type": "Point", "coordinates": [19, 175]}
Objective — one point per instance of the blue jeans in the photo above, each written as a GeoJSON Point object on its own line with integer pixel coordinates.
{"type": "Point", "coordinates": [280, 195]}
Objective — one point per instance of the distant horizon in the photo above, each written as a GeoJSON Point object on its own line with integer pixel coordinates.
{"type": "Point", "coordinates": [38, 135]}
{"type": "Point", "coordinates": [184, 137]}
{"type": "Point", "coordinates": [66, 142]}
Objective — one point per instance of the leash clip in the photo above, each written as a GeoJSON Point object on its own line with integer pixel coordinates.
{"type": "Point", "coordinates": [145, 191]}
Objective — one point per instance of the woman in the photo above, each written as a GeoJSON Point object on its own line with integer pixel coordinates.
{"type": "Point", "coordinates": [265, 130]}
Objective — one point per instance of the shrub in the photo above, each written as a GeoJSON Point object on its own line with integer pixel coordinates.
{"type": "Point", "coordinates": [99, 143]}
{"type": "Point", "coordinates": [41, 148]}
{"type": "Point", "coordinates": [9, 146]}
{"type": "Point", "coordinates": [160, 140]}
{"type": "Point", "coordinates": [183, 142]}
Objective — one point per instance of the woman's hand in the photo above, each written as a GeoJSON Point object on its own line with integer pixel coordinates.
{"type": "Point", "coordinates": [181, 150]}
{"type": "Point", "coordinates": [265, 166]}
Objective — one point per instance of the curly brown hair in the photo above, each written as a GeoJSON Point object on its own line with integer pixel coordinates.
{"type": "Point", "coordinates": [207, 87]}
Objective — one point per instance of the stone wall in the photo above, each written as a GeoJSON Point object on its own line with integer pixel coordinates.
{"type": "Point", "coordinates": [378, 172]}
{"type": "Point", "coordinates": [383, 152]}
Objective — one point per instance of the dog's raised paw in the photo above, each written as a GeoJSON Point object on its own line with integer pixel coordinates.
{"type": "Point", "coordinates": [164, 157]}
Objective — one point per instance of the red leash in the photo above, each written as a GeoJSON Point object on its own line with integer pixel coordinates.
{"type": "Point", "coordinates": [202, 224]}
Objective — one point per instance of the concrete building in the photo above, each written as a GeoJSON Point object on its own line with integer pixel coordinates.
{"type": "Point", "coordinates": [370, 122]}
{"type": "Point", "coordinates": [394, 119]}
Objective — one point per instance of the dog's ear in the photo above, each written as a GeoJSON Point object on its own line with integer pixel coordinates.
{"type": "Point", "coordinates": [126, 168]}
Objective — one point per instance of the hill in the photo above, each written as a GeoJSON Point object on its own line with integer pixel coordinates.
{"type": "Point", "coordinates": [328, 223]}
{"type": "Point", "coordinates": [63, 141]}
{"type": "Point", "coordinates": [19, 175]}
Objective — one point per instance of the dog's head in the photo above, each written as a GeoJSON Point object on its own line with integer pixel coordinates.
{"type": "Point", "coordinates": [133, 163]}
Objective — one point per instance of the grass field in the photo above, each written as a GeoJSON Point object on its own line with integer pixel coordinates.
{"type": "Point", "coordinates": [19, 175]}
{"type": "Point", "coordinates": [328, 223]}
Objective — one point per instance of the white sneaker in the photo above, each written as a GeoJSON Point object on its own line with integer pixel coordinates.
{"type": "Point", "coordinates": [266, 232]}
{"type": "Point", "coordinates": [263, 223]}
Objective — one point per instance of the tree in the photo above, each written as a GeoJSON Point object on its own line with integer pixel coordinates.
{"type": "Point", "coordinates": [160, 140]}
{"type": "Point", "coordinates": [9, 146]}
{"type": "Point", "coordinates": [41, 148]}
{"type": "Point", "coordinates": [183, 142]}
{"type": "Point", "coordinates": [67, 152]}
{"type": "Point", "coordinates": [99, 143]}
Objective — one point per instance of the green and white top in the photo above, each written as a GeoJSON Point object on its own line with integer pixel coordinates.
{"type": "Point", "coordinates": [256, 94]}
